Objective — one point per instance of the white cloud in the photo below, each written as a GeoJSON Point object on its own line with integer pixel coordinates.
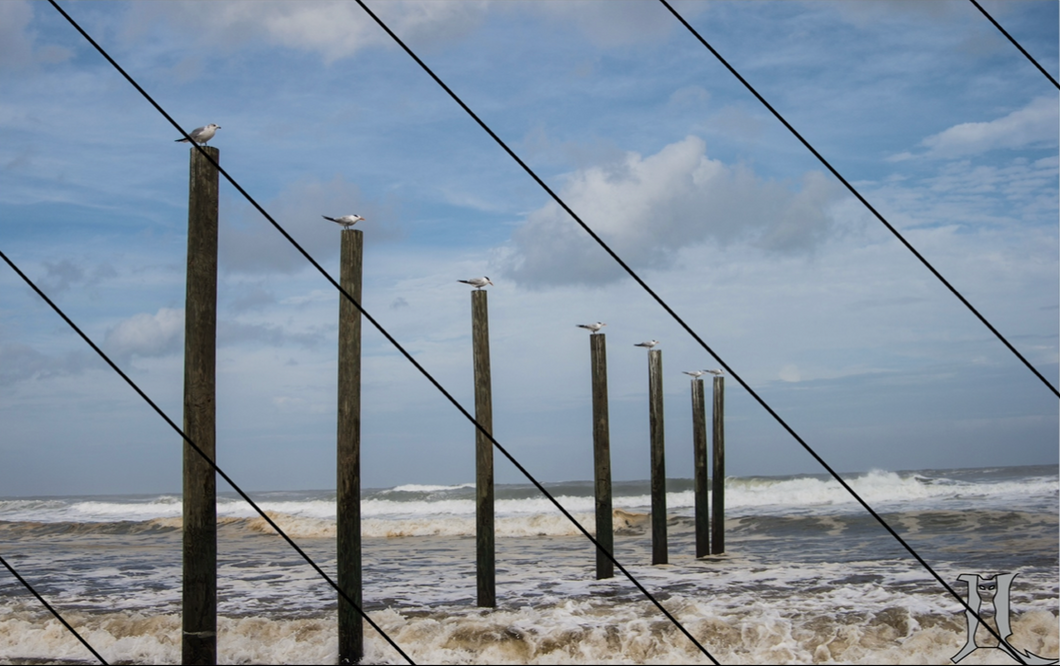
{"type": "Point", "coordinates": [17, 40]}
{"type": "Point", "coordinates": [790, 373]}
{"type": "Point", "coordinates": [147, 335]}
{"type": "Point", "coordinates": [247, 243]}
{"type": "Point", "coordinates": [334, 30]}
{"type": "Point", "coordinates": [614, 24]}
{"type": "Point", "coordinates": [646, 208]}
{"type": "Point", "coordinates": [19, 362]}
{"type": "Point", "coordinates": [1035, 123]}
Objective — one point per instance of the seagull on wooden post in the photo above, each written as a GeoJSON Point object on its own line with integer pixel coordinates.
{"type": "Point", "coordinates": [717, 372]}
{"type": "Point", "coordinates": [595, 328]}
{"type": "Point", "coordinates": [201, 135]}
{"type": "Point", "coordinates": [346, 221]}
{"type": "Point", "coordinates": [477, 283]}
{"type": "Point", "coordinates": [649, 344]}
{"type": "Point", "coordinates": [695, 373]}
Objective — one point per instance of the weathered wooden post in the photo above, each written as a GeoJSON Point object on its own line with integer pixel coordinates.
{"type": "Point", "coordinates": [658, 459]}
{"type": "Point", "coordinates": [348, 490]}
{"type": "Point", "coordinates": [718, 484]}
{"type": "Point", "coordinates": [199, 641]}
{"type": "Point", "coordinates": [484, 541]}
{"type": "Point", "coordinates": [605, 568]}
{"type": "Point", "coordinates": [699, 445]}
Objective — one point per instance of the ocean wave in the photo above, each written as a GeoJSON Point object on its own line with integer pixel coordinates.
{"type": "Point", "coordinates": [890, 491]}
{"type": "Point", "coordinates": [305, 527]}
{"type": "Point", "coordinates": [565, 632]}
{"type": "Point", "coordinates": [418, 488]}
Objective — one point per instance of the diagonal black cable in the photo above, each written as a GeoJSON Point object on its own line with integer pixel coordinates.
{"type": "Point", "coordinates": [1016, 44]}
{"type": "Point", "coordinates": [201, 453]}
{"type": "Point", "coordinates": [864, 201]}
{"type": "Point", "coordinates": [385, 334]}
{"type": "Point", "coordinates": [672, 313]}
{"type": "Point", "coordinates": [54, 612]}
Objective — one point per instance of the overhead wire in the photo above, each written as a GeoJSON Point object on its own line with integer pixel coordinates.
{"type": "Point", "coordinates": [377, 326]}
{"type": "Point", "coordinates": [1016, 44]}
{"type": "Point", "coordinates": [201, 453]}
{"type": "Point", "coordinates": [559, 201]}
{"type": "Point", "coordinates": [862, 199]}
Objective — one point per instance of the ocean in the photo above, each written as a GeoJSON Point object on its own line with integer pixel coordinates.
{"type": "Point", "coordinates": [807, 577]}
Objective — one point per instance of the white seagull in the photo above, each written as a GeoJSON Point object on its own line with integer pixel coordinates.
{"type": "Point", "coordinates": [695, 373]}
{"type": "Point", "coordinates": [201, 135]}
{"type": "Point", "coordinates": [477, 283]}
{"type": "Point", "coordinates": [595, 328]}
{"type": "Point", "coordinates": [346, 221]}
{"type": "Point", "coordinates": [649, 344]}
{"type": "Point", "coordinates": [717, 373]}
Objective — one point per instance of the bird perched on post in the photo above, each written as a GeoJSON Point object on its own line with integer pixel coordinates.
{"type": "Point", "coordinates": [201, 135]}
{"type": "Point", "coordinates": [595, 328]}
{"type": "Point", "coordinates": [649, 344]}
{"type": "Point", "coordinates": [695, 373]}
{"type": "Point", "coordinates": [717, 373]}
{"type": "Point", "coordinates": [477, 283]}
{"type": "Point", "coordinates": [346, 221]}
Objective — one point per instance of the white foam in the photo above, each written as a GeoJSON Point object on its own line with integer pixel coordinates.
{"type": "Point", "coordinates": [882, 490]}
{"type": "Point", "coordinates": [572, 632]}
{"type": "Point", "coordinates": [417, 488]}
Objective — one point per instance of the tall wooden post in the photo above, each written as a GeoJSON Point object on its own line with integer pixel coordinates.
{"type": "Point", "coordinates": [605, 568]}
{"type": "Point", "coordinates": [658, 459]}
{"type": "Point", "coordinates": [199, 642]}
{"type": "Point", "coordinates": [699, 445]}
{"type": "Point", "coordinates": [484, 541]}
{"type": "Point", "coordinates": [718, 536]}
{"type": "Point", "coordinates": [348, 495]}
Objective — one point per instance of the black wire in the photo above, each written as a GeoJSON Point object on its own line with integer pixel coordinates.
{"type": "Point", "coordinates": [671, 312]}
{"type": "Point", "coordinates": [1016, 44]}
{"type": "Point", "coordinates": [862, 199]}
{"type": "Point", "coordinates": [54, 612]}
{"type": "Point", "coordinates": [201, 453]}
{"type": "Point", "coordinates": [378, 327]}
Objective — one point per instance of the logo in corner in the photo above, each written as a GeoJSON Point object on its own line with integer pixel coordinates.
{"type": "Point", "coordinates": [998, 588]}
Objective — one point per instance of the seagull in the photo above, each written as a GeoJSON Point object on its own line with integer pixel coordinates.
{"type": "Point", "coordinates": [477, 283]}
{"type": "Point", "coordinates": [346, 221]}
{"type": "Point", "coordinates": [695, 373]}
{"type": "Point", "coordinates": [595, 328]}
{"type": "Point", "coordinates": [649, 344]}
{"type": "Point", "coordinates": [201, 135]}
{"type": "Point", "coordinates": [717, 373]}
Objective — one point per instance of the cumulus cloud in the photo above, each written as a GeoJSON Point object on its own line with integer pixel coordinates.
{"type": "Point", "coordinates": [1035, 123]}
{"type": "Point", "coordinates": [147, 335]}
{"type": "Point", "coordinates": [335, 30]}
{"type": "Point", "coordinates": [647, 208]}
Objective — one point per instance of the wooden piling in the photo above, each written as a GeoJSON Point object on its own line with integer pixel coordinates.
{"type": "Point", "coordinates": [699, 445]}
{"type": "Point", "coordinates": [348, 495]}
{"type": "Point", "coordinates": [717, 545]}
{"type": "Point", "coordinates": [658, 458]}
{"type": "Point", "coordinates": [605, 568]}
{"type": "Point", "coordinates": [484, 536]}
{"type": "Point", "coordinates": [199, 638]}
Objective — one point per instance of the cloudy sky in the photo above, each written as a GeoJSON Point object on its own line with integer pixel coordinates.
{"type": "Point", "coordinates": [924, 106]}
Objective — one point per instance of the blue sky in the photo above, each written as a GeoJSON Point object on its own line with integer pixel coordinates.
{"type": "Point", "coordinates": [925, 107]}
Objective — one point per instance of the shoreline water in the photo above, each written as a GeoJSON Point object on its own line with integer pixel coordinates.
{"type": "Point", "coordinates": [808, 578]}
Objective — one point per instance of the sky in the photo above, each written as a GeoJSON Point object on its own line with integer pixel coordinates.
{"type": "Point", "coordinates": [937, 120]}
